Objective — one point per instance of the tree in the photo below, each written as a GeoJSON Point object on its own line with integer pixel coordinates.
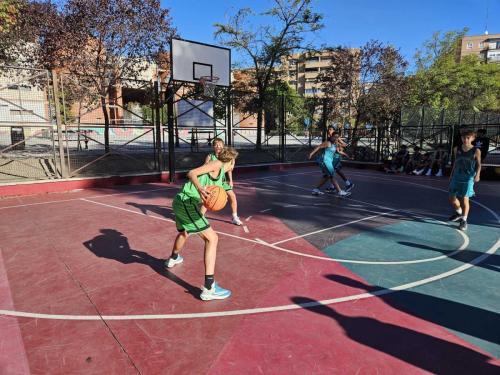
{"type": "Point", "coordinates": [267, 45]}
{"type": "Point", "coordinates": [368, 84]}
{"type": "Point", "coordinates": [443, 81]}
{"type": "Point", "coordinates": [24, 27]}
{"type": "Point", "coordinates": [108, 41]}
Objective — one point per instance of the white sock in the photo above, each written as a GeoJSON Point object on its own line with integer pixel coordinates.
{"type": "Point", "coordinates": [464, 217]}
{"type": "Point", "coordinates": [235, 215]}
{"type": "Point", "coordinates": [459, 210]}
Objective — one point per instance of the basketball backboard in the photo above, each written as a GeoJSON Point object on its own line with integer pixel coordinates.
{"type": "Point", "coordinates": [193, 60]}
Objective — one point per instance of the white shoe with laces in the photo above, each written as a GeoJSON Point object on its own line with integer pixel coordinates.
{"type": "Point", "coordinates": [236, 221]}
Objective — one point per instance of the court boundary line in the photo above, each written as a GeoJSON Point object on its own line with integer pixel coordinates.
{"type": "Point", "coordinates": [384, 291]}
{"type": "Point", "coordinates": [260, 310]}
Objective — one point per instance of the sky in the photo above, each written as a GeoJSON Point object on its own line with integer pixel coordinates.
{"type": "Point", "coordinates": [406, 24]}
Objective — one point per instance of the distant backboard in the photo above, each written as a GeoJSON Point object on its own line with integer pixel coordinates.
{"type": "Point", "coordinates": [192, 60]}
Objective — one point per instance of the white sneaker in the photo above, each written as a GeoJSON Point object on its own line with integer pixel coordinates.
{"type": "Point", "coordinates": [317, 192]}
{"type": "Point", "coordinates": [343, 193]}
{"type": "Point", "coordinates": [236, 220]}
{"type": "Point", "coordinates": [429, 172]}
{"type": "Point", "coordinates": [439, 174]}
{"type": "Point", "coordinates": [216, 292]}
{"type": "Point", "coordinates": [170, 262]}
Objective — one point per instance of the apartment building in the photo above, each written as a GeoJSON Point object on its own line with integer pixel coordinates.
{"type": "Point", "coordinates": [487, 47]}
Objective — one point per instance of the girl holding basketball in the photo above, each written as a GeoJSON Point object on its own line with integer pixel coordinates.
{"type": "Point", "coordinates": [218, 145]}
{"type": "Point", "coordinates": [189, 219]}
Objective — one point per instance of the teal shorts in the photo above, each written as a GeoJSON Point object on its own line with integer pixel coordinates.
{"type": "Point", "coordinates": [462, 189]}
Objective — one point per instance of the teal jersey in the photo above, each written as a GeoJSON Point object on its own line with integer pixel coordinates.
{"type": "Point", "coordinates": [189, 191]}
{"type": "Point", "coordinates": [465, 165]}
{"type": "Point", "coordinates": [329, 153]}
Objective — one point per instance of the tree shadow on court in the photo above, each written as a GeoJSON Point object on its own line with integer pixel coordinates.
{"type": "Point", "coordinates": [470, 320]}
{"type": "Point", "coordinates": [112, 244]}
{"type": "Point", "coordinates": [492, 262]}
{"type": "Point", "coordinates": [424, 351]}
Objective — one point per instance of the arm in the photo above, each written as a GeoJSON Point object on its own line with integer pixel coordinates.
{"type": "Point", "coordinates": [213, 166]}
{"type": "Point", "coordinates": [343, 154]}
{"type": "Point", "coordinates": [207, 159]}
{"type": "Point", "coordinates": [477, 156]}
{"type": "Point", "coordinates": [317, 148]}
{"type": "Point", "coordinates": [230, 173]}
{"type": "Point", "coordinates": [341, 142]}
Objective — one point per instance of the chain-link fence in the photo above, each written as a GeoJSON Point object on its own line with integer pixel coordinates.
{"type": "Point", "coordinates": [129, 126]}
{"type": "Point", "coordinates": [27, 148]}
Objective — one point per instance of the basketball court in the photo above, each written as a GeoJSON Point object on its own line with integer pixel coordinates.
{"type": "Point", "coordinates": [377, 282]}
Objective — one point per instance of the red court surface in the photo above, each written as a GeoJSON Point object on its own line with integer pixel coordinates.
{"type": "Point", "coordinates": [83, 288]}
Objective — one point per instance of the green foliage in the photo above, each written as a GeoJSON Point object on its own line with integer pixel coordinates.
{"type": "Point", "coordinates": [441, 81]}
{"type": "Point", "coordinates": [289, 21]}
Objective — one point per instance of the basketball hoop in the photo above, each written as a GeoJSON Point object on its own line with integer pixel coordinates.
{"type": "Point", "coordinates": [209, 83]}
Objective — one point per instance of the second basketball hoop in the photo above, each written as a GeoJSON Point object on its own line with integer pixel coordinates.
{"type": "Point", "coordinates": [209, 83]}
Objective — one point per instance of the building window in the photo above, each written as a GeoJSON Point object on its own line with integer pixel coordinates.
{"type": "Point", "coordinates": [312, 59]}
{"type": "Point", "coordinates": [18, 112]}
{"type": "Point", "coordinates": [312, 70]}
{"type": "Point", "coordinates": [469, 45]}
{"type": "Point", "coordinates": [481, 45]}
{"type": "Point", "coordinates": [19, 87]}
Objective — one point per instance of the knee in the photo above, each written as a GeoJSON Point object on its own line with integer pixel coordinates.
{"type": "Point", "coordinates": [212, 238]}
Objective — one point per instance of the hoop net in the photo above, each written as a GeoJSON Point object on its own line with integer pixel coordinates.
{"type": "Point", "coordinates": [209, 83]}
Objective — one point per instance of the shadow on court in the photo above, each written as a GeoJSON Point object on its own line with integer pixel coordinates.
{"type": "Point", "coordinates": [112, 244]}
{"type": "Point", "coordinates": [426, 352]}
{"type": "Point", "coordinates": [473, 321]}
{"type": "Point", "coordinates": [492, 262]}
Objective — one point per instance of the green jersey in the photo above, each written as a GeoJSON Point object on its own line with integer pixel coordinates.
{"type": "Point", "coordinates": [189, 191]}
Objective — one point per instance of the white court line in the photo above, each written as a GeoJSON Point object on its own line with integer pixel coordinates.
{"type": "Point", "coordinates": [127, 210]}
{"type": "Point", "coordinates": [130, 192]}
{"type": "Point", "coordinates": [266, 210]}
{"type": "Point", "coordinates": [261, 310]}
{"type": "Point", "coordinates": [248, 218]}
{"type": "Point", "coordinates": [90, 197]}
{"type": "Point", "coordinates": [336, 226]}
{"type": "Point", "coordinates": [262, 242]}
{"type": "Point", "coordinates": [414, 284]}
{"type": "Point", "coordinates": [245, 229]}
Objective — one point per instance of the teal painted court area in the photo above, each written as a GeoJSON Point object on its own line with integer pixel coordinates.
{"type": "Point", "coordinates": [465, 303]}
{"type": "Point", "coordinates": [379, 282]}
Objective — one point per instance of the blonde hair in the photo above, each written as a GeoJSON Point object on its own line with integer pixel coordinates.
{"type": "Point", "coordinates": [218, 140]}
{"type": "Point", "coordinates": [227, 154]}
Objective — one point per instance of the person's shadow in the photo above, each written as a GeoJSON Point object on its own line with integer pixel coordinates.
{"type": "Point", "coordinates": [424, 351]}
{"type": "Point", "coordinates": [112, 244]}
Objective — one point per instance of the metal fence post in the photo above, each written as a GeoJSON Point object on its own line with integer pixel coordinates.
{"type": "Point", "coordinates": [158, 125]}
{"type": "Point", "coordinates": [323, 130]}
{"type": "Point", "coordinates": [64, 170]}
{"type": "Point", "coordinates": [229, 118]}
{"type": "Point", "coordinates": [282, 128]}
{"type": "Point", "coordinates": [171, 144]}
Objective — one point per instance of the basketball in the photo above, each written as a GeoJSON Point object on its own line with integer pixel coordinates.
{"type": "Point", "coordinates": [217, 199]}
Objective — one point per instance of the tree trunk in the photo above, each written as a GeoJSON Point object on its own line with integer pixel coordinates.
{"type": "Point", "coordinates": [259, 128]}
{"type": "Point", "coordinates": [106, 123]}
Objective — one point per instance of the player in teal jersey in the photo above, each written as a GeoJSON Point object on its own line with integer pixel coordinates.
{"type": "Point", "coordinates": [228, 183]}
{"type": "Point", "coordinates": [327, 163]}
{"type": "Point", "coordinates": [465, 172]}
{"type": "Point", "coordinates": [189, 219]}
